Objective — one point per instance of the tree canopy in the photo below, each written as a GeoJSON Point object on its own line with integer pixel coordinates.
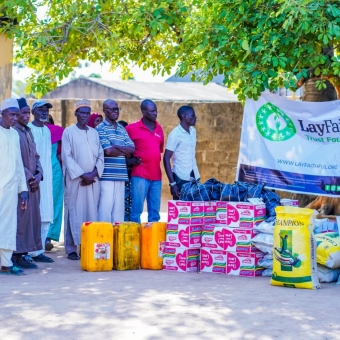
{"type": "Point", "coordinates": [255, 44]}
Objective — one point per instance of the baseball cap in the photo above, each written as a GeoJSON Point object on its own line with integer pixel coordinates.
{"type": "Point", "coordinates": [40, 103]}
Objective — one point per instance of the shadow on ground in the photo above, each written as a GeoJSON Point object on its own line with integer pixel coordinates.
{"type": "Point", "coordinates": [60, 301]}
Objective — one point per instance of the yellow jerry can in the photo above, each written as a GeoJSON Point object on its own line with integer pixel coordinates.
{"type": "Point", "coordinates": [153, 243]}
{"type": "Point", "coordinates": [126, 246]}
{"type": "Point", "coordinates": [96, 246]}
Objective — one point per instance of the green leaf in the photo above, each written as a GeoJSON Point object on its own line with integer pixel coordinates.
{"type": "Point", "coordinates": [317, 71]}
{"type": "Point", "coordinates": [272, 73]}
{"type": "Point", "coordinates": [245, 45]}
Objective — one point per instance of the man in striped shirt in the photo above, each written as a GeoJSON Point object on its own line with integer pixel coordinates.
{"type": "Point", "coordinates": [116, 144]}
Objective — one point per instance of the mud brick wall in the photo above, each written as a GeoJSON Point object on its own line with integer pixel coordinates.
{"type": "Point", "coordinates": [218, 132]}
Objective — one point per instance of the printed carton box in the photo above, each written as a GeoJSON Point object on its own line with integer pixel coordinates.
{"type": "Point", "coordinates": [239, 240]}
{"type": "Point", "coordinates": [219, 237]}
{"type": "Point", "coordinates": [289, 202]}
{"type": "Point", "coordinates": [213, 237]}
{"type": "Point", "coordinates": [213, 261]}
{"type": "Point", "coordinates": [210, 212]}
{"type": "Point", "coordinates": [244, 264]}
{"type": "Point", "coordinates": [245, 215]}
{"type": "Point", "coordinates": [181, 259]}
{"type": "Point", "coordinates": [185, 236]}
{"type": "Point", "coordinates": [181, 212]}
{"type": "Point", "coordinates": [221, 212]}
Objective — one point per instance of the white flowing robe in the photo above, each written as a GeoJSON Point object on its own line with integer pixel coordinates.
{"type": "Point", "coordinates": [81, 153]}
{"type": "Point", "coordinates": [42, 138]}
{"type": "Point", "coordinates": [12, 182]}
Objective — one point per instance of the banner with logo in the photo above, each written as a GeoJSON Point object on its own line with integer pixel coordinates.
{"type": "Point", "coordinates": [291, 145]}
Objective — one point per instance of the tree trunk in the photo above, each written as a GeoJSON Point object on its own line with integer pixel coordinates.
{"type": "Point", "coordinates": [312, 94]}
{"type": "Point", "coordinates": [6, 56]}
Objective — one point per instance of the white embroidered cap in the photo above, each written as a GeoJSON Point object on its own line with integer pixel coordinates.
{"type": "Point", "coordinates": [83, 103]}
{"type": "Point", "coordinates": [9, 102]}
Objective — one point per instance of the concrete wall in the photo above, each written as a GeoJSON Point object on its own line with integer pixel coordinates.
{"type": "Point", "coordinates": [218, 132]}
{"type": "Point", "coordinates": [6, 56]}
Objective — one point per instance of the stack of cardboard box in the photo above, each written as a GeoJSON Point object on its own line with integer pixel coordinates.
{"type": "Point", "coordinates": [183, 236]}
{"type": "Point", "coordinates": [213, 237]}
{"type": "Point", "coordinates": [226, 245]}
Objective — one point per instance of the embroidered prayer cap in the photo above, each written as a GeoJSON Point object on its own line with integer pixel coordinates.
{"type": "Point", "coordinates": [83, 103]}
{"type": "Point", "coordinates": [9, 102]}
{"type": "Point", "coordinates": [41, 103]}
{"type": "Point", "coordinates": [22, 103]}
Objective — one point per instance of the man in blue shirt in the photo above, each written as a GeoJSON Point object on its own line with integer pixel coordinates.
{"type": "Point", "coordinates": [116, 144]}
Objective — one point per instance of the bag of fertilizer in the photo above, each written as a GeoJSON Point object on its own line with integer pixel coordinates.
{"type": "Point", "coordinates": [327, 275]}
{"type": "Point", "coordinates": [266, 261]}
{"type": "Point", "coordinates": [265, 227]}
{"type": "Point", "coordinates": [267, 272]}
{"type": "Point", "coordinates": [263, 242]}
{"type": "Point", "coordinates": [294, 261]}
{"type": "Point", "coordinates": [328, 250]}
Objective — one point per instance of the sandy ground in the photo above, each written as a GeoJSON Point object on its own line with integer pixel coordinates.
{"type": "Point", "coordinates": [60, 301]}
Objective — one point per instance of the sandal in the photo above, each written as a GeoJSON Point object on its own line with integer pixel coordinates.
{"type": "Point", "coordinates": [73, 256]}
{"type": "Point", "coordinates": [49, 245]}
{"type": "Point", "coordinates": [15, 270]}
{"type": "Point", "coordinates": [42, 258]}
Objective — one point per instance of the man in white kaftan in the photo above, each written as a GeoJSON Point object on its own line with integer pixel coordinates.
{"type": "Point", "coordinates": [42, 138]}
{"type": "Point", "coordinates": [83, 164]}
{"type": "Point", "coordinates": [12, 183]}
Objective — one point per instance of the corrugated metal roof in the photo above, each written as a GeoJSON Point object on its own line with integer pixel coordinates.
{"type": "Point", "coordinates": [187, 78]}
{"type": "Point", "coordinates": [170, 90]}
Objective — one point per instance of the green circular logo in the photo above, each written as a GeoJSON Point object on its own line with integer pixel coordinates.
{"type": "Point", "coordinates": [273, 124]}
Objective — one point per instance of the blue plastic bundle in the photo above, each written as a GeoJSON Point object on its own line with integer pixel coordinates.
{"type": "Point", "coordinates": [214, 189]}
{"type": "Point", "coordinates": [194, 191]}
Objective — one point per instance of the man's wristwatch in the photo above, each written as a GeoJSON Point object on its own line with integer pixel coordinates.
{"type": "Point", "coordinates": [172, 184]}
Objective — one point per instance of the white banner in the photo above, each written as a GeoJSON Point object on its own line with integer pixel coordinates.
{"type": "Point", "coordinates": [291, 145]}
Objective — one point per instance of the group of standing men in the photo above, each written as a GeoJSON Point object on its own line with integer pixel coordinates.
{"type": "Point", "coordinates": [94, 173]}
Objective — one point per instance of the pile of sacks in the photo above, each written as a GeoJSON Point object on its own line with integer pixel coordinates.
{"type": "Point", "coordinates": [328, 256]}
{"type": "Point", "coordinates": [264, 239]}
{"type": "Point", "coordinates": [289, 243]}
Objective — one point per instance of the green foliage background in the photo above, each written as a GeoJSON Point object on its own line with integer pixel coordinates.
{"type": "Point", "coordinates": [256, 44]}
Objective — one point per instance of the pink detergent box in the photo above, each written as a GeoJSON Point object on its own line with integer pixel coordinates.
{"type": "Point", "coordinates": [245, 215]}
{"type": "Point", "coordinates": [213, 236]}
{"type": "Point", "coordinates": [244, 264]}
{"type": "Point", "coordinates": [221, 212]}
{"type": "Point", "coordinates": [181, 259]}
{"type": "Point", "coordinates": [239, 240]}
{"type": "Point", "coordinates": [210, 212]}
{"type": "Point", "coordinates": [181, 212]}
{"type": "Point", "coordinates": [213, 261]}
{"type": "Point", "coordinates": [182, 235]}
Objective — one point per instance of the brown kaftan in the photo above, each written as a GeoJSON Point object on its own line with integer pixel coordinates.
{"type": "Point", "coordinates": [29, 220]}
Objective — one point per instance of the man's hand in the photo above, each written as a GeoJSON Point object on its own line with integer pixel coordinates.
{"type": "Point", "coordinates": [89, 177]}
{"type": "Point", "coordinates": [34, 182]}
{"type": "Point", "coordinates": [24, 200]}
{"type": "Point", "coordinates": [133, 161]}
{"type": "Point", "coordinates": [86, 179]}
{"type": "Point", "coordinates": [174, 190]}
{"type": "Point", "coordinates": [117, 150]}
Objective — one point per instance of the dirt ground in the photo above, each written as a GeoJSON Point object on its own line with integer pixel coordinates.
{"type": "Point", "coordinates": [60, 301]}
